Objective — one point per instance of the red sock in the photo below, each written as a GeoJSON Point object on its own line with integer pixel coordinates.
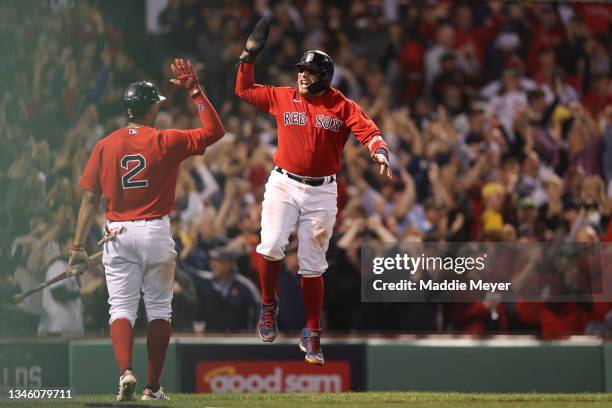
{"type": "Point", "coordinates": [122, 337]}
{"type": "Point", "coordinates": [268, 280]}
{"type": "Point", "coordinates": [158, 337]}
{"type": "Point", "coordinates": [312, 293]}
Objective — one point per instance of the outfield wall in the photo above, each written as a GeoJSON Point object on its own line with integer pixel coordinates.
{"type": "Point", "coordinates": [243, 364]}
{"type": "Point", "coordinates": [489, 366]}
{"type": "Point", "coordinates": [93, 367]}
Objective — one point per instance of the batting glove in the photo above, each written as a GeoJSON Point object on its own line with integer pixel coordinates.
{"type": "Point", "coordinates": [185, 76]}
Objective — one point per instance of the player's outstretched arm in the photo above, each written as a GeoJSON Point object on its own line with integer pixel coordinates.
{"type": "Point", "coordinates": [366, 131]}
{"type": "Point", "coordinates": [185, 77]}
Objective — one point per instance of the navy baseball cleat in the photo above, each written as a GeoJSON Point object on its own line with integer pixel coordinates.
{"type": "Point", "coordinates": [267, 327]}
{"type": "Point", "coordinates": [310, 343]}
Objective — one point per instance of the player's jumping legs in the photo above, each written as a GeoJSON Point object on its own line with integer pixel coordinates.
{"type": "Point", "coordinates": [268, 279]}
{"type": "Point", "coordinates": [315, 228]}
{"type": "Point", "coordinates": [278, 219]}
{"type": "Point", "coordinates": [267, 327]}
{"type": "Point", "coordinates": [312, 293]}
{"type": "Point", "coordinates": [310, 340]}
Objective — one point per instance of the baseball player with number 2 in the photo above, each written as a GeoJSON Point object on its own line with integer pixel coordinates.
{"type": "Point", "coordinates": [136, 170]}
{"type": "Point", "coordinates": [314, 122]}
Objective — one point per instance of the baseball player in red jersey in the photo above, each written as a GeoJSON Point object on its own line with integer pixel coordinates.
{"type": "Point", "coordinates": [136, 169]}
{"type": "Point", "coordinates": [314, 122]}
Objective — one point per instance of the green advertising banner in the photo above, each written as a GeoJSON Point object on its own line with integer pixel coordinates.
{"type": "Point", "coordinates": [33, 364]}
{"type": "Point", "coordinates": [440, 364]}
{"type": "Point", "coordinates": [476, 366]}
{"type": "Point", "coordinates": [93, 369]}
{"type": "Point", "coordinates": [607, 363]}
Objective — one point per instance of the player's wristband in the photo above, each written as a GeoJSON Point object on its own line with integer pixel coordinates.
{"type": "Point", "coordinates": [377, 143]}
{"type": "Point", "coordinates": [383, 151]}
{"type": "Point", "coordinates": [195, 91]}
{"type": "Point", "coordinates": [74, 247]}
{"type": "Point", "coordinates": [199, 100]}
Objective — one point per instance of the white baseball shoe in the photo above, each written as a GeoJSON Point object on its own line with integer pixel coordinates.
{"type": "Point", "coordinates": [148, 394]}
{"type": "Point", "coordinates": [127, 387]}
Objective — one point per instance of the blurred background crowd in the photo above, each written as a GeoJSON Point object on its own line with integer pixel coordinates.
{"type": "Point", "coordinates": [498, 116]}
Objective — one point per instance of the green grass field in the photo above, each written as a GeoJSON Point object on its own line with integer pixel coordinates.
{"type": "Point", "coordinates": [353, 400]}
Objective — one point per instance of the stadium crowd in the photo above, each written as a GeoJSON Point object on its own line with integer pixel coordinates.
{"type": "Point", "coordinates": [498, 116]}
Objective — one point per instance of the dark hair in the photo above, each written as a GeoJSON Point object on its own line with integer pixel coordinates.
{"type": "Point", "coordinates": [566, 126]}
{"type": "Point", "coordinates": [534, 94]}
{"type": "Point", "coordinates": [448, 56]}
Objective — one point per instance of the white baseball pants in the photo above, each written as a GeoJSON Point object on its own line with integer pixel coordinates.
{"type": "Point", "coordinates": [140, 259]}
{"type": "Point", "coordinates": [289, 204]}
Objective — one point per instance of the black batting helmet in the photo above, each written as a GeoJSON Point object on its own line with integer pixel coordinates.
{"type": "Point", "coordinates": [138, 97]}
{"type": "Point", "coordinates": [322, 64]}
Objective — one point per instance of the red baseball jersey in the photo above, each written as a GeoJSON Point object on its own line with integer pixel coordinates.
{"type": "Point", "coordinates": [136, 167]}
{"type": "Point", "coordinates": [312, 131]}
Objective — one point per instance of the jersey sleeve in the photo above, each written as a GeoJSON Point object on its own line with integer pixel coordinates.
{"type": "Point", "coordinates": [262, 96]}
{"type": "Point", "coordinates": [181, 144]}
{"type": "Point", "coordinates": [90, 180]}
{"type": "Point", "coordinates": [360, 125]}
{"type": "Point", "coordinates": [184, 143]}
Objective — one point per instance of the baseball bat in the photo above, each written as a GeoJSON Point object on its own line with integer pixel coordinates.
{"type": "Point", "coordinates": [76, 271]}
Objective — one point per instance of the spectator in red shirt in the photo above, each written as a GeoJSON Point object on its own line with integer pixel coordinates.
{"type": "Point", "coordinates": [599, 95]}
{"type": "Point", "coordinates": [547, 32]}
{"type": "Point", "coordinates": [596, 15]}
{"type": "Point", "coordinates": [411, 61]}
{"type": "Point", "coordinates": [472, 38]}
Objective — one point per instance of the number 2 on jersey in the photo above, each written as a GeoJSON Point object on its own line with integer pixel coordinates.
{"type": "Point", "coordinates": [126, 180]}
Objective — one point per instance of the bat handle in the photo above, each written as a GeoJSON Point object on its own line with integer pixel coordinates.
{"type": "Point", "coordinates": [74, 271]}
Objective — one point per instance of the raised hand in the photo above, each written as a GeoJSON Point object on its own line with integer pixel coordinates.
{"type": "Point", "coordinates": [185, 76]}
{"type": "Point", "coordinates": [256, 41]}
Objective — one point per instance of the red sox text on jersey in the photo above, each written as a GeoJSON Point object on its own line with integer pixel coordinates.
{"type": "Point", "coordinates": [312, 131]}
{"type": "Point", "coordinates": [321, 121]}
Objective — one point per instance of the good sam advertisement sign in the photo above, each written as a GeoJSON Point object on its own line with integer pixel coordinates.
{"type": "Point", "coordinates": [272, 376]}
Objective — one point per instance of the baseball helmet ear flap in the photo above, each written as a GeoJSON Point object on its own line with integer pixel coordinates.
{"type": "Point", "coordinates": [138, 97]}
{"type": "Point", "coordinates": [322, 64]}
